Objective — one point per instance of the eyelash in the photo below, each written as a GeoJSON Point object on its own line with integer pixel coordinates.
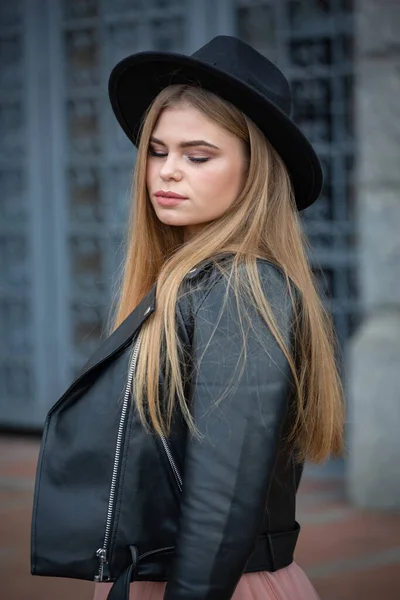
{"type": "Point", "coordinates": [194, 160]}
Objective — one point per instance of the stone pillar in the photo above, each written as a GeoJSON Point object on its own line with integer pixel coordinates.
{"type": "Point", "coordinates": [374, 352]}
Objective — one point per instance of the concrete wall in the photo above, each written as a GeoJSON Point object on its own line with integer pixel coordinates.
{"type": "Point", "coordinates": [374, 382]}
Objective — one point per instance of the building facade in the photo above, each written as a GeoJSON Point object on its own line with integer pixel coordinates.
{"type": "Point", "coordinates": [65, 166]}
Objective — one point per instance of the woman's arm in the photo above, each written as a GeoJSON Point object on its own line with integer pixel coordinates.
{"type": "Point", "coordinates": [228, 472]}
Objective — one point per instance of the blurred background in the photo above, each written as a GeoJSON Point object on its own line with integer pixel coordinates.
{"type": "Point", "coordinates": [65, 169]}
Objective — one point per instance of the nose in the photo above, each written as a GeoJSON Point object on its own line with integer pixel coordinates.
{"type": "Point", "coordinates": [170, 169]}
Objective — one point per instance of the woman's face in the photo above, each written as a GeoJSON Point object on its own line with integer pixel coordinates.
{"type": "Point", "coordinates": [193, 157]}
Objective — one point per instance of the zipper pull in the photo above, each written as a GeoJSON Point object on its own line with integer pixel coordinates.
{"type": "Point", "coordinates": [103, 573]}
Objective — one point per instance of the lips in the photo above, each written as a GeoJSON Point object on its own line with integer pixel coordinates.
{"type": "Point", "coordinates": [168, 198]}
{"type": "Point", "coordinates": [163, 194]}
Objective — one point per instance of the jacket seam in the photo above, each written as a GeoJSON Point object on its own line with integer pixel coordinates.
{"type": "Point", "coordinates": [273, 470]}
{"type": "Point", "coordinates": [206, 294]}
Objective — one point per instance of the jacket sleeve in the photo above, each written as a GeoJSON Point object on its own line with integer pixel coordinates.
{"type": "Point", "coordinates": [227, 472]}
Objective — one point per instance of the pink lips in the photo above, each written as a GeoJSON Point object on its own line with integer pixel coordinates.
{"type": "Point", "coordinates": [168, 198]}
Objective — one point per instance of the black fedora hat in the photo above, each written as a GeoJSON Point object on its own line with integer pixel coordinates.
{"type": "Point", "coordinates": [236, 72]}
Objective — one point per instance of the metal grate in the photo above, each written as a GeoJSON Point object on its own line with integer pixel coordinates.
{"type": "Point", "coordinates": [17, 364]}
{"type": "Point", "coordinates": [312, 41]}
{"type": "Point", "coordinates": [65, 165]}
{"type": "Point", "coordinates": [99, 159]}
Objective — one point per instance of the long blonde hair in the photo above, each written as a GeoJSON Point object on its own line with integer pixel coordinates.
{"type": "Point", "coordinates": [262, 222]}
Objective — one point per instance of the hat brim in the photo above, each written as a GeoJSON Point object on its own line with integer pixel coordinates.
{"type": "Point", "coordinates": [136, 81]}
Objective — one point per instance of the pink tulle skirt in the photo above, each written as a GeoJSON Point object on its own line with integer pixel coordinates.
{"type": "Point", "coordinates": [290, 583]}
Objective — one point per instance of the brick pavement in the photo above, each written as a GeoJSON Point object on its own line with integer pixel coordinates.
{"type": "Point", "coordinates": [347, 553]}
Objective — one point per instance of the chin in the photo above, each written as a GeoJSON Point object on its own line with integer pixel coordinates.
{"type": "Point", "coordinates": [171, 219]}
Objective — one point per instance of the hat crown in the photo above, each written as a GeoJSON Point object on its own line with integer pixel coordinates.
{"type": "Point", "coordinates": [243, 62]}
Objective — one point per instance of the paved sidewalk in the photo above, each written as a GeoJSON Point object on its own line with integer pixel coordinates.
{"type": "Point", "coordinates": [348, 554]}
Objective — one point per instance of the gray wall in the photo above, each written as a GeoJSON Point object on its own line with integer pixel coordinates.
{"type": "Point", "coordinates": [374, 378]}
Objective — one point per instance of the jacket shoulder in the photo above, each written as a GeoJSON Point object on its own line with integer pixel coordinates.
{"type": "Point", "coordinates": [209, 276]}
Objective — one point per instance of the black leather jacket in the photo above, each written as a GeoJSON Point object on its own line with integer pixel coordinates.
{"type": "Point", "coordinates": [194, 512]}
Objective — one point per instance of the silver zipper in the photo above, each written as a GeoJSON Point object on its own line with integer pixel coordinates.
{"type": "Point", "coordinates": [174, 468]}
{"type": "Point", "coordinates": [101, 553]}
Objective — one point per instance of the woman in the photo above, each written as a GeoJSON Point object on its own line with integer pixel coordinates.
{"type": "Point", "coordinates": [232, 371]}
{"type": "Point", "coordinates": [209, 183]}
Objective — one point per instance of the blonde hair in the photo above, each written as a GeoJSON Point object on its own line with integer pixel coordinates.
{"type": "Point", "coordinates": [263, 222]}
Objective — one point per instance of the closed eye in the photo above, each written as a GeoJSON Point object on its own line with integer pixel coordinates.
{"type": "Point", "coordinates": [198, 160]}
{"type": "Point", "coordinates": [191, 158]}
{"type": "Point", "coordinates": [157, 154]}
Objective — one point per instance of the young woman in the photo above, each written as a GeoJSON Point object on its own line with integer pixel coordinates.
{"type": "Point", "coordinates": [246, 346]}
{"type": "Point", "coordinates": [221, 340]}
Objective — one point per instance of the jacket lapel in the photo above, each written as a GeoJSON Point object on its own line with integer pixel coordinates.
{"type": "Point", "coordinates": [123, 334]}
{"type": "Point", "coordinates": [138, 316]}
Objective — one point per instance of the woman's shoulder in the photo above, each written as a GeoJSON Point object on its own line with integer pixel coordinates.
{"type": "Point", "coordinates": [208, 297]}
{"type": "Point", "coordinates": [221, 264]}
{"type": "Point", "coordinates": [212, 276]}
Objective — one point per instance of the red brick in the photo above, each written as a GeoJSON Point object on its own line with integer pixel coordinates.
{"type": "Point", "coordinates": [360, 534]}
{"type": "Point", "coordinates": [372, 584]}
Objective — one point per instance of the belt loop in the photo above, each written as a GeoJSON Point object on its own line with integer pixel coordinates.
{"type": "Point", "coordinates": [271, 552]}
{"type": "Point", "coordinates": [120, 589]}
{"type": "Point", "coordinates": [134, 554]}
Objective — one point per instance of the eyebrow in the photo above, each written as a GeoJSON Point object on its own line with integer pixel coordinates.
{"type": "Point", "coordinates": [188, 144]}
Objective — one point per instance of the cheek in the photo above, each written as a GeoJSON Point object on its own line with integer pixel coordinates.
{"type": "Point", "coordinates": [149, 173]}
{"type": "Point", "coordinates": [153, 167]}
{"type": "Point", "coordinates": [224, 180]}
